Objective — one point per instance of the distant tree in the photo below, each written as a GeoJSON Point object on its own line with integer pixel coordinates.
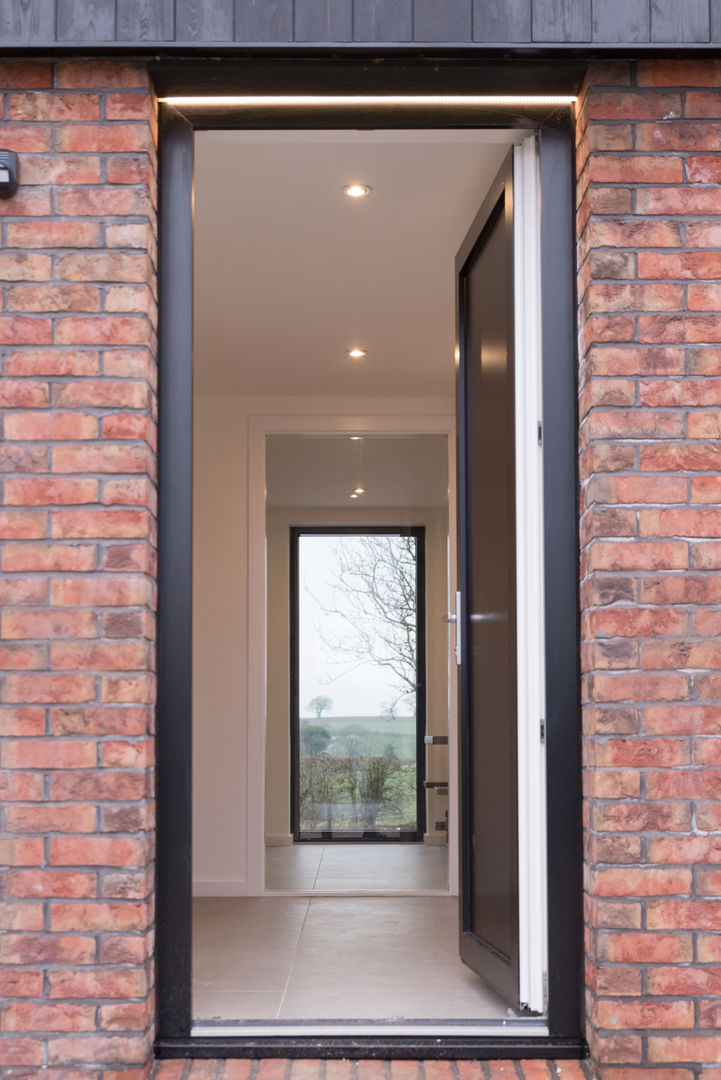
{"type": "Point", "coordinates": [320, 704]}
{"type": "Point", "coordinates": [314, 738]}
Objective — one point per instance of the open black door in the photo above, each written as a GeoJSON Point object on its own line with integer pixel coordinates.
{"type": "Point", "coordinates": [489, 938]}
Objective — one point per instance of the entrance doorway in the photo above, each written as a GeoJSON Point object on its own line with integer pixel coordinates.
{"type": "Point", "coordinates": [368, 410]}
{"type": "Point", "coordinates": [341, 292]}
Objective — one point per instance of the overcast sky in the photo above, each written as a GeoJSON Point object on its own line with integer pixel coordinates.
{"type": "Point", "coordinates": [362, 691]}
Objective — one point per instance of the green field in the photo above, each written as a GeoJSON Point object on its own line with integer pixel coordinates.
{"type": "Point", "coordinates": [368, 736]}
{"type": "Point", "coordinates": [357, 773]}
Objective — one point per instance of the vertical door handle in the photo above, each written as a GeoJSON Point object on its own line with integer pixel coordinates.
{"type": "Point", "coordinates": [456, 618]}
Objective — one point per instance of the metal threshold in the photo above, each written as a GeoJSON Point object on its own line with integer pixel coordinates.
{"type": "Point", "coordinates": [513, 1027]}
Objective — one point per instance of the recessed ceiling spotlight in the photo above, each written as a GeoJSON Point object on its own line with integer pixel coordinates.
{"type": "Point", "coordinates": [353, 495]}
{"type": "Point", "coordinates": [357, 191]}
{"type": "Point", "coordinates": [359, 491]}
{"type": "Point", "coordinates": [357, 354]}
{"type": "Point", "coordinates": [356, 438]}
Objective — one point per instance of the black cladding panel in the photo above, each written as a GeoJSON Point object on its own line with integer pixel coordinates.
{"type": "Point", "coordinates": [194, 24]}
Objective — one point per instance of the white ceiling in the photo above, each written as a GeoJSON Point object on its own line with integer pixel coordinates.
{"type": "Point", "coordinates": [290, 273]}
{"type": "Point", "coordinates": [403, 471]}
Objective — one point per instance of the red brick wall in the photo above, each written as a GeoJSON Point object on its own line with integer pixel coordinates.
{"type": "Point", "coordinates": [650, 348]}
{"type": "Point", "coordinates": [77, 553]}
{"type": "Point", "coordinates": [77, 349]}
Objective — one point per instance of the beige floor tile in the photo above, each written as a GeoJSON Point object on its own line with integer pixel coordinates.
{"type": "Point", "coordinates": [212, 1004]}
{"type": "Point", "coordinates": [329, 958]}
{"type": "Point", "coordinates": [349, 867]}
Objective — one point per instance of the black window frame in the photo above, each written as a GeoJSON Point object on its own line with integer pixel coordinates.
{"type": "Point", "coordinates": [419, 532]}
{"type": "Point", "coordinates": [555, 127]}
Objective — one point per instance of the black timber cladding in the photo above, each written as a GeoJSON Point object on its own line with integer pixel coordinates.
{"type": "Point", "coordinates": [499, 23]}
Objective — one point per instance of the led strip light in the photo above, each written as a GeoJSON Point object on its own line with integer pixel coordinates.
{"type": "Point", "coordinates": [393, 100]}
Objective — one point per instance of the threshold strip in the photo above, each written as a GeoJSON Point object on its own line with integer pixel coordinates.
{"type": "Point", "coordinates": [511, 1028]}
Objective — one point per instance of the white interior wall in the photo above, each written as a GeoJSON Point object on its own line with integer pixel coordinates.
{"type": "Point", "coordinates": [279, 520]}
{"type": "Point", "coordinates": [220, 630]}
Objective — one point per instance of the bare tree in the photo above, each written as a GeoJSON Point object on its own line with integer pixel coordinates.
{"type": "Point", "coordinates": [320, 704]}
{"type": "Point", "coordinates": [375, 595]}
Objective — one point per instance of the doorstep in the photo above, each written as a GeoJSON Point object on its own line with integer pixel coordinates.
{"type": "Point", "coordinates": [307, 1069]}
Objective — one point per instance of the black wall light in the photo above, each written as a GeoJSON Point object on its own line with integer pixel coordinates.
{"type": "Point", "coordinates": [8, 173]}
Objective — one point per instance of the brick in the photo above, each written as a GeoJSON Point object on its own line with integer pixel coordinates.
{"type": "Point", "coordinates": [683, 1048]}
{"type": "Point", "coordinates": [110, 266]}
{"type": "Point", "coordinates": [101, 459]}
{"type": "Point", "coordinates": [52, 298]}
{"type": "Point", "coordinates": [682, 914]}
{"type": "Point", "coordinates": [100, 720]}
{"type": "Point", "coordinates": [635, 622]}
{"type": "Point", "coordinates": [670, 456]}
{"type": "Point", "coordinates": [97, 786]}
{"type": "Point", "coordinates": [40, 1017]}
{"type": "Point", "coordinates": [52, 362]}
{"type": "Point", "coordinates": [99, 74]}
{"type": "Point", "coordinates": [676, 523]}
{"type": "Point", "coordinates": [97, 916]}
{"type": "Point", "coordinates": [51, 425]}
{"type": "Point", "coordinates": [101, 330]}
{"type": "Point", "coordinates": [124, 524]}
{"type": "Point", "coordinates": [53, 234]}
{"type": "Point", "coordinates": [20, 1051]}
{"type": "Point", "coordinates": [644, 1014]}
{"type": "Point", "coordinates": [23, 330]}
{"type": "Point", "coordinates": [22, 266]}
{"type": "Point", "coordinates": [97, 851]}
{"type": "Point", "coordinates": [18, 984]}
{"type": "Point", "coordinates": [636, 489]}
{"type": "Point", "coordinates": [49, 689]}
{"type": "Point", "coordinates": [24, 74]}
{"type": "Point", "coordinates": [22, 524]}
{"type": "Point", "coordinates": [639, 555]}
{"type": "Point", "coordinates": [46, 949]}
{"type": "Point", "coordinates": [48, 623]}
{"type": "Point", "coordinates": [704, 425]}
{"type": "Point", "coordinates": [91, 202]}
{"type": "Point", "coordinates": [107, 138]}
{"type": "Point", "coordinates": [50, 491]}
{"type": "Point", "coordinates": [24, 137]}
{"type": "Point", "coordinates": [81, 169]}
{"type": "Point", "coordinates": [68, 884]}
{"type": "Point", "coordinates": [43, 557]}
{"type": "Point", "coordinates": [635, 169]}
{"type": "Point", "coordinates": [651, 881]}
{"type": "Point", "coordinates": [105, 656]}
{"type": "Point", "coordinates": [101, 393]}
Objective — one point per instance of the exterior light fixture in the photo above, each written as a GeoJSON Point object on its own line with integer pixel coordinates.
{"type": "Point", "coordinates": [8, 174]}
{"type": "Point", "coordinates": [357, 191]}
{"type": "Point", "coordinates": [357, 354]}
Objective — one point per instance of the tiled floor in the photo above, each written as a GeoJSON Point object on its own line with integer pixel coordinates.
{"type": "Point", "coordinates": [323, 868]}
{"type": "Point", "coordinates": [334, 958]}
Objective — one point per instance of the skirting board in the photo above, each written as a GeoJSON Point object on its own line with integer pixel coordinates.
{"type": "Point", "coordinates": [281, 840]}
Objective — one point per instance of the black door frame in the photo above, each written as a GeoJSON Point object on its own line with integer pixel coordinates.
{"type": "Point", "coordinates": [375, 836]}
{"type": "Point", "coordinates": [174, 728]}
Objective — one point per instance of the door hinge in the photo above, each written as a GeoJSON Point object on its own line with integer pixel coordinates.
{"type": "Point", "coordinates": [540, 433]}
{"type": "Point", "coordinates": [543, 730]}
